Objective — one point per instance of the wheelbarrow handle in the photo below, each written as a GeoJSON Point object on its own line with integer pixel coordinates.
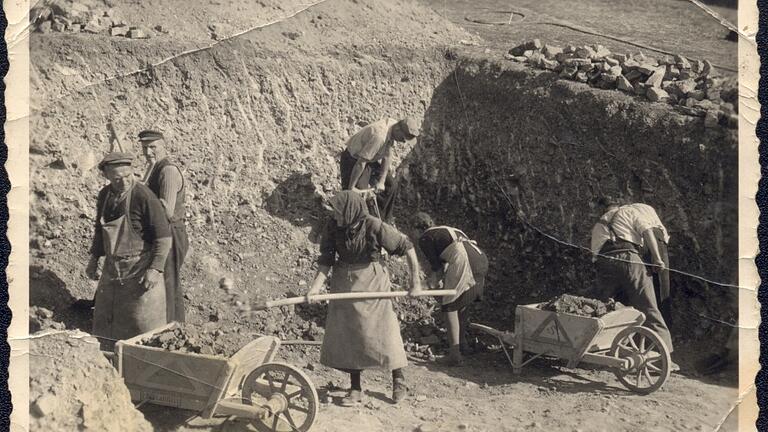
{"type": "Point", "coordinates": [351, 296]}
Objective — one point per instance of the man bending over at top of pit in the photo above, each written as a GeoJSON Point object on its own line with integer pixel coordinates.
{"type": "Point", "coordinates": [366, 160]}
{"type": "Point", "coordinates": [619, 239]}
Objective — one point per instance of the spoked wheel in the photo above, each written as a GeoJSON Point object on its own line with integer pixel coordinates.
{"type": "Point", "coordinates": [287, 395]}
{"type": "Point", "coordinates": [647, 356]}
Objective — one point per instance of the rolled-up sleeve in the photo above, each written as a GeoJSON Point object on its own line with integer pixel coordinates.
{"type": "Point", "coordinates": [392, 240]}
{"type": "Point", "coordinates": [328, 246]}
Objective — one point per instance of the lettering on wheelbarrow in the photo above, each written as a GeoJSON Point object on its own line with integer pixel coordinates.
{"type": "Point", "coordinates": [168, 399]}
{"type": "Point", "coordinates": [552, 329]}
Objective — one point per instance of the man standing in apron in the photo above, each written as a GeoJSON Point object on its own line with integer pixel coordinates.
{"type": "Point", "coordinates": [366, 159]}
{"type": "Point", "coordinates": [164, 178]}
{"type": "Point", "coordinates": [619, 240]}
{"type": "Point", "coordinates": [462, 266]}
{"type": "Point", "coordinates": [132, 233]}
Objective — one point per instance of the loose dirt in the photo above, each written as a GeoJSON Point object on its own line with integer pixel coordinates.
{"type": "Point", "coordinates": [580, 306]}
{"type": "Point", "coordinates": [256, 123]}
{"type": "Point", "coordinates": [72, 386]}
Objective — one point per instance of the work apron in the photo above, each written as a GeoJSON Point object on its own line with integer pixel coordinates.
{"type": "Point", "coordinates": [362, 334]}
{"type": "Point", "coordinates": [122, 307]}
{"type": "Point", "coordinates": [173, 290]}
{"type": "Point", "coordinates": [457, 270]}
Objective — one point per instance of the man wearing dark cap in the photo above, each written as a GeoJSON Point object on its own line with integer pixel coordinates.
{"type": "Point", "coordinates": [623, 235]}
{"type": "Point", "coordinates": [462, 266]}
{"type": "Point", "coordinates": [164, 178]}
{"type": "Point", "coordinates": [132, 233]}
{"type": "Point", "coordinates": [366, 159]}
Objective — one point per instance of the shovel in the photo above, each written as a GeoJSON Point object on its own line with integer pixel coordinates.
{"type": "Point", "coordinates": [256, 306]}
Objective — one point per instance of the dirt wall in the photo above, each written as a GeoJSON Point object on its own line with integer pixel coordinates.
{"type": "Point", "coordinates": [500, 137]}
{"type": "Point", "coordinates": [256, 123]}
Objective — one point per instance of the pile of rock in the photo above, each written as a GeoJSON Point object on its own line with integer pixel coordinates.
{"type": "Point", "coordinates": [581, 306]}
{"type": "Point", "coordinates": [41, 318]}
{"type": "Point", "coordinates": [690, 85]}
{"type": "Point", "coordinates": [206, 339]}
{"type": "Point", "coordinates": [74, 17]}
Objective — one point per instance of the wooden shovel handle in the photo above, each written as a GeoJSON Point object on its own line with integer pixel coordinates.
{"type": "Point", "coordinates": [357, 296]}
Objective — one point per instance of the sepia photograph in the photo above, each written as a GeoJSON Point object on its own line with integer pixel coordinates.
{"type": "Point", "coordinates": [383, 215]}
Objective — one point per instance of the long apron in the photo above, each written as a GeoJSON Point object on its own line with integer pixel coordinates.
{"type": "Point", "coordinates": [122, 307]}
{"type": "Point", "coordinates": [174, 293]}
{"type": "Point", "coordinates": [362, 334]}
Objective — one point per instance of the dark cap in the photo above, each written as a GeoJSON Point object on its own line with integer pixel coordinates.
{"type": "Point", "coordinates": [422, 221]}
{"type": "Point", "coordinates": [116, 158]}
{"type": "Point", "coordinates": [411, 127]}
{"type": "Point", "coordinates": [149, 135]}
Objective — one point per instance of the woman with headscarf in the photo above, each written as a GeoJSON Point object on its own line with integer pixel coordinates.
{"type": "Point", "coordinates": [362, 334]}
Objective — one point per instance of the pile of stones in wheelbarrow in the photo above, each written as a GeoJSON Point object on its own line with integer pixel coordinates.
{"type": "Point", "coordinates": [203, 339]}
{"type": "Point", "coordinates": [693, 87]}
{"type": "Point", "coordinates": [582, 306]}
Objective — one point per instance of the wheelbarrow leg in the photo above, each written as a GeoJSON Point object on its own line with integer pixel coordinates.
{"type": "Point", "coordinates": [517, 353]}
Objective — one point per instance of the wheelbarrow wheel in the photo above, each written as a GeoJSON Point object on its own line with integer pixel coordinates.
{"type": "Point", "coordinates": [647, 357]}
{"type": "Point", "coordinates": [287, 395]}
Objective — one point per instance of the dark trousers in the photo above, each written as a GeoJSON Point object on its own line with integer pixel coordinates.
{"type": "Point", "coordinates": [629, 283]}
{"type": "Point", "coordinates": [368, 179]}
{"type": "Point", "coordinates": [174, 294]}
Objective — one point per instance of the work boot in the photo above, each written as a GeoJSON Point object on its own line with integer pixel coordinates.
{"type": "Point", "coordinates": [354, 398]}
{"type": "Point", "coordinates": [399, 390]}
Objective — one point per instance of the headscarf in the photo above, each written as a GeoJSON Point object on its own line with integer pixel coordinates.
{"type": "Point", "coordinates": [353, 210]}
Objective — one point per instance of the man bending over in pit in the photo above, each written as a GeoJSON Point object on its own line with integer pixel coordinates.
{"type": "Point", "coordinates": [462, 266]}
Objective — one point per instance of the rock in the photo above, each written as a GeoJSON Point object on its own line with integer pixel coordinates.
{"type": "Point", "coordinates": [672, 72]}
{"type": "Point", "coordinates": [519, 59]}
{"type": "Point", "coordinates": [647, 69]}
{"type": "Point", "coordinates": [44, 405]}
{"type": "Point", "coordinates": [427, 427]}
{"type": "Point", "coordinates": [686, 74]}
{"type": "Point", "coordinates": [535, 58]}
{"type": "Point", "coordinates": [549, 64]}
{"type": "Point", "coordinates": [569, 71]}
{"type": "Point", "coordinates": [45, 27]}
{"type": "Point", "coordinates": [666, 60]}
{"type": "Point", "coordinates": [75, 28]}
{"type": "Point", "coordinates": [93, 27]}
{"type": "Point", "coordinates": [679, 88]}
{"type": "Point", "coordinates": [137, 33]}
{"type": "Point", "coordinates": [58, 26]}
{"type": "Point", "coordinates": [697, 95]}
{"type": "Point", "coordinates": [612, 61]}
{"type": "Point", "coordinates": [629, 65]}
{"type": "Point", "coordinates": [578, 62]}
{"type": "Point", "coordinates": [623, 84]}
{"type": "Point", "coordinates": [161, 28]}
{"type": "Point", "coordinates": [633, 75]}
{"type": "Point", "coordinates": [581, 76]}
{"type": "Point", "coordinates": [711, 119]}
{"type": "Point", "coordinates": [118, 31]}
{"type": "Point", "coordinates": [615, 71]}
{"type": "Point", "coordinates": [527, 46]}
{"type": "Point", "coordinates": [727, 108]}
{"type": "Point", "coordinates": [656, 78]}
{"type": "Point", "coordinates": [569, 49]}
{"type": "Point", "coordinates": [656, 94]}
{"type": "Point", "coordinates": [430, 340]}
{"type": "Point", "coordinates": [707, 68]}
{"type": "Point", "coordinates": [551, 51]}
{"type": "Point", "coordinates": [527, 53]}
{"type": "Point", "coordinates": [586, 52]}
{"type": "Point", "coordinates": [622, 58]}
{"type": "Point", "coordinates": [601, 51]}
{"type": "Point", "coordinates": [733, 121]}
{"type": "Point", "coordinates": [713, 95]}
{"type": "Point", "coordinates": [562, 57]}
{"type": "Point", "coordinates": [421, 398]}
{"type": "Point", "coordinates": [682, 62]}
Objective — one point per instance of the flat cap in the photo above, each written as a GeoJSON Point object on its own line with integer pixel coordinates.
{"type": "Point", "coordinates": [148, 135]}
{"type": "Point", "coordinates": [116, 158]}
{"type": "Point", "coordinates": [411, 126]}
